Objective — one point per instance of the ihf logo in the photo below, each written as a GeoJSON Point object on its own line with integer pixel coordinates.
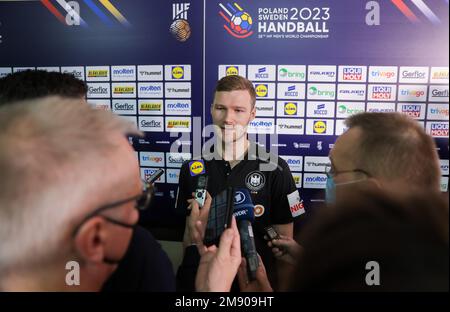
{"type": "Point", "coordinates": [180, 27]}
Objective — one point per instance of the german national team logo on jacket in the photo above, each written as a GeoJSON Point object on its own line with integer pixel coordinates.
{"type": "Point", "coordinates": [255, 181]}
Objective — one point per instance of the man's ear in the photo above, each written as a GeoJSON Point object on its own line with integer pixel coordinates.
{"type": "Point", "coordinates": [370, 185]}
{"type": "Point", "coordinates": [90, 240]}
{"type": "Point", "coordinates": [253, 112]}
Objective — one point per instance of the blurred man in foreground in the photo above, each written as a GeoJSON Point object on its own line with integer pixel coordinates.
{"type": "Point", "coordinates": [69, 191]}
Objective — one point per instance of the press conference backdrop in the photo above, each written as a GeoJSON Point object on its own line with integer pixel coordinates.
{"type": "Point", "coordinates": [313, 63]}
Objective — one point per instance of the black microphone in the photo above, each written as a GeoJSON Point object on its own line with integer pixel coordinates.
{"type": "Point", "coordinates": [243, 212]}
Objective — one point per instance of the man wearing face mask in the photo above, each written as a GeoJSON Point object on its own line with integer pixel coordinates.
{"type": "Point", "coordinates": [145, 266]}
{"type": "Point", "coordinates": [68, 196]}
{"type": "Point", "coordinates": [389, 151]}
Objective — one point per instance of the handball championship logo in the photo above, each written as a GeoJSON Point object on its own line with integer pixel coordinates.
{"type": "Point", "coordinates": [239, 23]}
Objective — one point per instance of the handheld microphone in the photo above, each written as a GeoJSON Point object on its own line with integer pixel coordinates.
{"type": "Point", "coordinates": [243, 212]}
{"type": "Point", "coordinates": [200, 190]}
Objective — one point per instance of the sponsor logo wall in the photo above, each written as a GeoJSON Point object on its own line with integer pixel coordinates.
{"type": "Point", "coordinates": [157, 98]}
{"type": "Point", "coordinates": [314, 100]}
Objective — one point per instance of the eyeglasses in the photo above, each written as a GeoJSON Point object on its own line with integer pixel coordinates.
{"type": "Point", "coordinates": [142, 203]}
{"type": "Point", "coordinates": [331, 173]}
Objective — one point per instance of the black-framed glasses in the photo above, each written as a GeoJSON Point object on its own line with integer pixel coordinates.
{"type": "Point", "coordinates": [142, 203]}
{"type": "Point", "coordinates": [332, 173]}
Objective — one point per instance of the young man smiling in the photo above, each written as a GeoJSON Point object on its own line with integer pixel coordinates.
{"type": "Point", "coordinates": [236, 161]}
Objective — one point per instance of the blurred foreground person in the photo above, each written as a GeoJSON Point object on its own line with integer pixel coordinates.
{"type": "Point", "coordinates": [68, 196]}
{"type": "Point", "coordinates": [386, 151]}
{"type": "Point", "coordinates": [373, 241]}
{"type": "Point", "coordinates": [145, 266]}
{"type": "Point", "coordinates": [33, 84]}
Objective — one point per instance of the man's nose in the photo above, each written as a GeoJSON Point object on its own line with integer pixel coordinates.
{"type": "Point", "coordinates": [229, 118]}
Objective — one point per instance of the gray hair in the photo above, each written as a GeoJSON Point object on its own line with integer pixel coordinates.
{"type": "Point", "coordinates": [51, 153]}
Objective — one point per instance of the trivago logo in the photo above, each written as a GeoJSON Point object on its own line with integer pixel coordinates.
{"type": "Point", "coordinates": [261, 90]}
{"type": "Point", "coordinates": [239, 23]}
{"type": "Point", "coordinates": [177, 72]}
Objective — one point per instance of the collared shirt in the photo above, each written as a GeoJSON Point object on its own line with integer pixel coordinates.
{"type": "Point", "coordinates": [266, 176]}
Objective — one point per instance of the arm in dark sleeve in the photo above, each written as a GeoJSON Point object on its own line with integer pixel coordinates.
{"type": "Point", "coordinates": [145, 267]}
{"type": "Point", "coordinates": [188, 269]}
{"type": "Point", "coordinates": [184, 189]}
{"type": "Point", "coordinates": [283, 184]}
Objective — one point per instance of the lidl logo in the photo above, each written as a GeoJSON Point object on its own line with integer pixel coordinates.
{"type": "Point", "coordinates": [177, 72]}
{"type": "Point", "coordinates": [290, 108]}
{"type": "Point", "coordinates": [232, 70]}
{"type": "Point", "coordinates": [238, 23]}
{"type": "Point", "coordinates": [261, 90]}
{"type": "Point", "coordinates": [320, 126]}
{"type": "Point", "coordinates": [197, 167]}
